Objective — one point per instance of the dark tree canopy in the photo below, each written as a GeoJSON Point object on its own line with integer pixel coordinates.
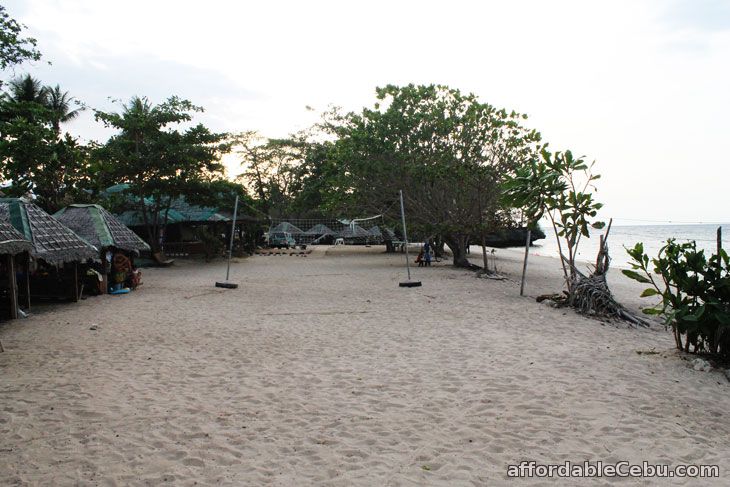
{"type": "Point", "coordinates": [446, 150]}
{"type": "Point", "coordinates": [156, 157]}
{"type": "Point", "coordinates": [35, 156]}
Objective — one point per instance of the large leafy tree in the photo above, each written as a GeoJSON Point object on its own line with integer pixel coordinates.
{"type": "Point", "coordinates": [36, 157]}
{"type": "Point", "coordinates": [446, 150]}
{"type": "Point", "coordinates": [316, 180]}
{"type": "Point", "coordinates": [284, 174]}
{"type": "Point", "coordinates": [158, 158]}
{"type": "Point", "coordinates": [14, 48]}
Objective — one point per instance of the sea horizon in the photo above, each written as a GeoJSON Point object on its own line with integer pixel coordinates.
{"type": "Point", "coordinates": [653, 236]}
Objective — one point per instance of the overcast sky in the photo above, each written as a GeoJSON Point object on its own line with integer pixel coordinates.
{"type": "Point", "coordinates": [642, 87]}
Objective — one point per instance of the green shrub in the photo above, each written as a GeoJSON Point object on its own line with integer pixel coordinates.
{"type": "Point", "coordinates": [694, 291]}
{"type": "Point", "coordinates": [213, 244]}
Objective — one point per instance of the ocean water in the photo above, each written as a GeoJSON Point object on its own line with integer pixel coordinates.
{"type": "Point", "coordinates": [652, 236]}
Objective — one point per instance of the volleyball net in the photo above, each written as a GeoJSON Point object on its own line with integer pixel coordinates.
{"type": "Point", "coordinates": [368, 230]}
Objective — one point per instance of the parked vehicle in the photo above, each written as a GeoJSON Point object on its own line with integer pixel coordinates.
{"type": "Point", "coordinates": [282, 239]}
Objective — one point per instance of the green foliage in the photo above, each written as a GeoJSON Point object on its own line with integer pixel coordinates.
{"type": "Point", "coordinates": [694, 291]}
{"type": "Point", "coordinates": [446, 150]}
{"type": "Point", "coordinates": [15, 49]}
{"type": "Point", "coordinates": [270, 170]}
{"type": "Point", "coordinates": [217, 193]}
{"type": "Point", "coordinates": [531, 188]}
{"type": "Point", "coordinates": [560, 186]}
{"type": "Point", "coordinates": [35, 156]}
{"type": "Point", "coordinates": [291, 177]}
{"type": "Point", "coordinates": [159, 161]}
{"type": "Point", "coordinates": [213, 244]}
{"type": "Point", "coordinates": [60, 104]}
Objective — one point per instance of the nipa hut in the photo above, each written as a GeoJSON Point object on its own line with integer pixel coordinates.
{"type": "Point", "coordinates": [355, 234]}
{"type": "Point", "coordinates": [56, 249]}
{"type": "Point", "coordinates": [319, 233]}
{"type": "Point", "coordinates": [287, 227]}
{"type": "Point", "coordinates": [102, 229]}
{"type": "Point", "coordinates": [12, 246]}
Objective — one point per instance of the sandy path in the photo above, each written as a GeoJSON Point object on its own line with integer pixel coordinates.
{"type": "Point", "coordinates": [321, 371]}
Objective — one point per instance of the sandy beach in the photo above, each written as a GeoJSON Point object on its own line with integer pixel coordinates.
{"type": "Point", "coordinates": [319, 370]}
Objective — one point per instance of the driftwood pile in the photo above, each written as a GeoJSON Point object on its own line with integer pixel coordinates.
{"type": "Point", "coordinates": [590, 295]}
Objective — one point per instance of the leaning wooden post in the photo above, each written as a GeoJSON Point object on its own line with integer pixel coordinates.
{"type": "Point", "coordinates": [27, 279]}
{"type": "Point", "coordinates": [524, 264]}
{"type": "Point", "coordinates": [719, 249]}
{"type": "Point", "coordinates": [484, 254]}
{"type": "Point", "coordinates": [13, 291]}
{"type": "Point", "coordinates": [719, 240]}
{"type": "Point", "coordinates": [105, 269]}
{"type": "Point", "coordinates": [76, 282]}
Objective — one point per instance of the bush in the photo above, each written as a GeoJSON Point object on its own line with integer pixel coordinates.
{"type": "Point", "coordinates": [213, 244]}
{"type": "Point", "coordinates": [694, 291]}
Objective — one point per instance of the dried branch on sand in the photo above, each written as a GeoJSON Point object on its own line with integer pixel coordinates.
{"type": "Point", "coordinates": [590, 295]}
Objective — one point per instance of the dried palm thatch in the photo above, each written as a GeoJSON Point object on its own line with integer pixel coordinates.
{"type": "Point", "coordinates": [590, 295]}
{"type": "Point", "coordinates": [11, 241]}
{"type": "Point", "coordinates": [100, 228]}
{"type": "Point", "coordinates": [354, 231]}
{"type": "Point", "coordinates": [384, 233]}
{"type": "Point", "coordinates": [287, 227]}
{"type": "Point", "coordinates": [52, 241]}
{"type": "Point", "coordinates": [319, 229]}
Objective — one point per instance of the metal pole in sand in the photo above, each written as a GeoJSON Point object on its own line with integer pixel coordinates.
{"type": "Point", "coordinates": [226, 284]}
{"type": "Point", "coordinates": [408, 283]}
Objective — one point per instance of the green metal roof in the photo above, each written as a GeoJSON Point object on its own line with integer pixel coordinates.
{"type": "Point", "coordinates": [180, 211]}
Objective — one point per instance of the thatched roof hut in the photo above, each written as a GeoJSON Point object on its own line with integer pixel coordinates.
{"type": "Point", "coordinates": [11, 241]}
{"type": "Point", "coordinates": [319, 229]}
{"type": "Point", "coordinates": [52, 241]}
{"type": "Point", "coordinates": [100, 228]}
{"type": "Point", "coordinates": [286, 227]}
{"type": "Point", "coordinates": [354, 231]}
{"type": "Point", "coordinates": [384, 233]}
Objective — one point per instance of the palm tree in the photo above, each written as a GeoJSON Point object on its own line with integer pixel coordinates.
{"type": "Point", "coordinates": [26, 98]}
{"type": "Point", "coordinates": [28, 89]}
{"type": "Point", "coordinates": [59, 103]}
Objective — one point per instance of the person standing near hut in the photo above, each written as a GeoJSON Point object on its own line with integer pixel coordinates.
{"type": "Point", "coordinates": [117, 244]}
{"type": "Point", "coordinates": [427, 253]}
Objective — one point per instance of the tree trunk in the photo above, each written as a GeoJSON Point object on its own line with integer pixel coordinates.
{"type": "Point", "coordinates": [438, 247]}
{"type": "Point", "coordinates": [484, 253]}
{"type": "Point", "coordinates": [457, 244]}
{"type": "Point", "coordinates": [151, 235]}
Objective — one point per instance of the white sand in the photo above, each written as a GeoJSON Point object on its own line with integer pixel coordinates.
{"type": "Point", "coordinates": [321, 371]}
